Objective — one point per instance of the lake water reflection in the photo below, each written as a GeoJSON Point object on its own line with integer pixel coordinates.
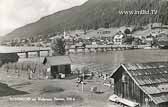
{"type": "Point", "coordinates": [117, 57]}
{"type": "Point", "coordinates": [109, 57]}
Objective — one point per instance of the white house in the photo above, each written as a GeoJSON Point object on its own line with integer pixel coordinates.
{"type": "Point", "coordinates": [119, 38]}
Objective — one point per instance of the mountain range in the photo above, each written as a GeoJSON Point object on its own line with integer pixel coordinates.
{"type": "Point", "coordinates": [95, 14]}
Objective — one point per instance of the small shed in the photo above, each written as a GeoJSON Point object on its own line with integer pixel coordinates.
{"type": "Point", "coordinates": [144, 83]}
{"type": "Point", "coordinates": [8, 57]}
{"type": "Point", "coordinates": [58, 65]}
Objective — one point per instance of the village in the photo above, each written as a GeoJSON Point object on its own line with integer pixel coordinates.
{"type": "Point", "coordinates": [151, 36]}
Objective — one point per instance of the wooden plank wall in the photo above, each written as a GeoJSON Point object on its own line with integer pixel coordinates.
{"type": "Point", "coordinates": [129, 90]}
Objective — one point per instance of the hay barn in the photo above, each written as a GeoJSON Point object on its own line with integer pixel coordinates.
{"type": "Point", "coordinates": [144, 83]}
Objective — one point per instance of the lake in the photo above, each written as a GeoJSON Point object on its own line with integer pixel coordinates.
{"type": "Point", "coordinates": [109, 57]}
{"type": "Point", "coordinates": [126, 56]}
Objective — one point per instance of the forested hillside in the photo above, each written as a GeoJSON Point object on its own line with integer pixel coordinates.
{"type": "Point", "coordinates": [95, 14]}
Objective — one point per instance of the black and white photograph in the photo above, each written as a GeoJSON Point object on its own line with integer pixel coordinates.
{"type": "Point", "coordinates": [83, 53]}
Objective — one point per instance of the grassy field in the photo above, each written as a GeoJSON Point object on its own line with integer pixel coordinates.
{"type": "Point", "coordinates": [55, 93]}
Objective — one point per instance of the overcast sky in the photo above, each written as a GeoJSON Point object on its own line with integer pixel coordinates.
{"type": "Point", "coordinates": [16, 13]}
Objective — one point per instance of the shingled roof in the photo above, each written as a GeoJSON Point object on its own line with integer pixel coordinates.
{"type": "Point", "coordinates": [151, 78]}
{"type": "Point", "coordinates": [58, 60]}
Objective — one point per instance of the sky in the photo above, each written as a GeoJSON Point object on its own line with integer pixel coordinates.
{"type": "Point", "coordinates": [16, 13]}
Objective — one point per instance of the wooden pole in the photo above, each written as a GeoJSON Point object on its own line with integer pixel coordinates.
{"type": "Point", "coordinates": [82, 86]}
{"type": "Point", "coordinates": [83, 82]}
{"type": "Point", "coordinates": [27, 54]}
{"type": "Point", "coordinates": [48, 54]}
{"type": "Point", "coordinates": [38, 53]}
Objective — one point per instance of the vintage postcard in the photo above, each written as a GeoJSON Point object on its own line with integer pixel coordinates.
{"type": "Point", "coordinates": [83, 53]}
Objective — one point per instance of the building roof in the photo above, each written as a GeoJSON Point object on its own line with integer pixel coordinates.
{"type": "Point", "coordinates": [52, 60]}
{"type": "Point", "coordinates": [118, 36]}
{"type": "Point", "coordinates": [151, 78]}
{"type": "Point", "coordinates": [58, 60]}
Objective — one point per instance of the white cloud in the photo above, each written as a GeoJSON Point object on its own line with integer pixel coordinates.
{"type": "Point", "coordinates": [16, 13]}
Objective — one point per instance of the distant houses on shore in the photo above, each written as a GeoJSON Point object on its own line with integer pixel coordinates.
{"type": "Point", "coordinates": [119, 38]}
{"type": "Point", "coordinates": [148, 35]}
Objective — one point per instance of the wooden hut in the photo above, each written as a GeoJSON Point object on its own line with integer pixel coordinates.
{"type": "Point", "coordinates": [58, 65]}
{"type": "Point", "coordinates": [8, 57]}
{"type": "Point", "coordinates": [144, 83]}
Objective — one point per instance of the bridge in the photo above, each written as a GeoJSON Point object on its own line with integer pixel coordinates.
{"type": "Point", "coordinates": [26, 50]}
{"type": "Point", "coordinates": [38, 52]}
{"type": "Point", "coordinates": [101, 47]}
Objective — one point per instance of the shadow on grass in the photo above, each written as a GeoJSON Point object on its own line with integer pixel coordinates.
{"type": "Point", "coordinates": [5, 90]}
{"type": "Point", "coordinates": [51, 89]}
{"type": "Point", "coordinates": [99, 92]}
{"type": "Point", "coordinates": [71, 76]}
{"type": "Point", "coordinates": [21, 85]}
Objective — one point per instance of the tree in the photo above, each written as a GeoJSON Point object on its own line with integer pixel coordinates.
{"type": "Point", "coordinates": [107, 25]}
{"type": "Point", "coordinates": [58, 46]}
{"type": "Point", "coordinates": [164, 13]}
{"type": "Point", "coordinates": [127, 31]}
{"type": "Point", "coordinates": [96, 25]}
